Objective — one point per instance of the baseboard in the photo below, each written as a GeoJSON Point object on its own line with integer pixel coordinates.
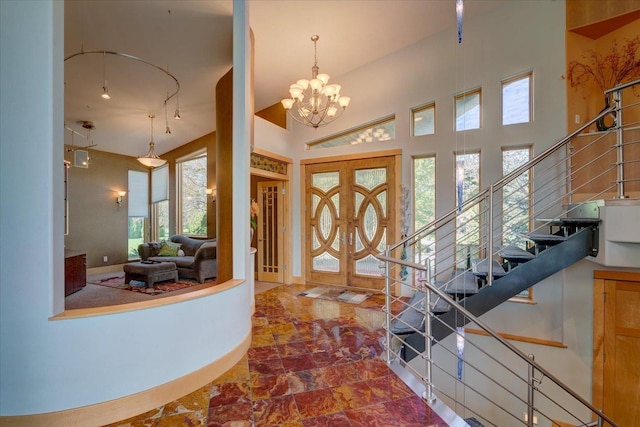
{"type": "Point", "coordinates": [105, 269]}
{"type": "Point", "coordinates": [135, 404]}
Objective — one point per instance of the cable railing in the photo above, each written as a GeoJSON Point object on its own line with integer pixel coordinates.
{"type": "Point", "coordinates": [565, 180]}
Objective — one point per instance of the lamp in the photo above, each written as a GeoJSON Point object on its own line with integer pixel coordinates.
{"type": "Point", "coordinates": [120, 195]}
{"type": "Point", "coordinates": [105, 89]}
{"type": "Point", "coordinates": [151, 159]}
{"type": "Point", "coordinates": [211, 192]}
{"type": "Point", "coordinates": [315, 102]}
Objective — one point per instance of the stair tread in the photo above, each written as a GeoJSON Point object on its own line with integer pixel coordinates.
{"type": "Point", "coordinates": [515, 254]}
{"type": "Point", "coordinates": [545, 238]}
{"type": "Point", "coordinates": [570, 221]}
{"type": "Point", "coordinates": [465, 283]}
{"type": "Point", "coordinates": [480, 268]}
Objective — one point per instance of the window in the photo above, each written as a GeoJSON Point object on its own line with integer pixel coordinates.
{"type": "Point", "coordinates": [379, 130]}
{"type": "Point", "coordinates": [138, 210]}
{"type": "Point", "coordinates": [516, 202]}
{"type": "Point", "coordinates": [160, 203]}
{"type": "Point", "coordinates": [423, 120]}
{"type": "Point", "coordinates": [424, 208]}
{"type": "Point", "coordinates": [468, 220]}
{"type": "Point", "coordinates": [468, 110]}
{"type": "Point", "coordinates": [192, 195]}
{"type": "Point", "coordinates": [516, 100]}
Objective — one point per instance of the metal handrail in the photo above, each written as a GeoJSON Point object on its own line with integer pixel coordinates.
{"type": "Point", "coordinates": [501, 340]}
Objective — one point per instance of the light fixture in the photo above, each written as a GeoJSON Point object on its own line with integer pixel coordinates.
{"type": "Point", "coordinates": [315, 102]}
{"type": "Point", "coordinates": [459, 16]}
{"type": "Point", "coordinates": [176, 115]}
{"type": "Point", "coordinates": [105, 88]}
{"type": "Point", "coordinates": [211, 192]}
{"type": "Point", "coordinates": [167, 129]}
{"type": "Point", "coordinates": [151, 159]}
{"type": "Point", "coordinates": [119, 197]}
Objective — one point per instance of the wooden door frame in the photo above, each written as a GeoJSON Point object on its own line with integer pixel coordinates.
{"type": "Point", "coordinates": [396, 153]}
{"type": "Point", "coordinates": [286, 203]}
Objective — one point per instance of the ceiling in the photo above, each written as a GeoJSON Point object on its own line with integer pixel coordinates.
{"type": "Point", "coordinates": [192, 40]}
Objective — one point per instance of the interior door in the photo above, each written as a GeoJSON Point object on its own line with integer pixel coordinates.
{"type": "Point", "coordinates": [270, 232]}
{"type": "Point", "coordinates": [349, 216]}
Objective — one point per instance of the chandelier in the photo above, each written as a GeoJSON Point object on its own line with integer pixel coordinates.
{"type": "Point", "coordinates": [315, 102]}
{"type": "Point", "coordinates": [151, 159]}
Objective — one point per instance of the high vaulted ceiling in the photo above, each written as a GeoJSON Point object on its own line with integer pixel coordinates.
{"type": "Point", "coordinates": [192, 39]}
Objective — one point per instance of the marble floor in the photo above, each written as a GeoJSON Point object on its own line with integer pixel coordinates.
{"type": "Point", "coordinates": [312, 362]}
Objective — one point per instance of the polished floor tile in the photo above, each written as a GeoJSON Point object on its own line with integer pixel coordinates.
{"type": "Point", "coordinates": [312, 363]}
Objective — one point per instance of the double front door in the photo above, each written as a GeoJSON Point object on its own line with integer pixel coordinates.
{"type": "Point", "coordinates": [349, 219]}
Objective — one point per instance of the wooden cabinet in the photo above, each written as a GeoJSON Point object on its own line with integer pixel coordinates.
{"type": "Point", "coordinates": [75, 271]}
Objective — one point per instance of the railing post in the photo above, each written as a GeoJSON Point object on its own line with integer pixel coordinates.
{"type": "Point", "coordinates": [617, 99]}
{"type": "Point", "coordinates": [530, 391]}
{"type": "Point", "coordinates": [490, 237]}
{"type": "Point", "coordinates": [429, 396]}
{"type": "Point", "coordinates": [387, 303]}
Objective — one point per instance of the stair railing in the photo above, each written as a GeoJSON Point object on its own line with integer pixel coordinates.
{"type": "Point", "coordinates": [584, 166]}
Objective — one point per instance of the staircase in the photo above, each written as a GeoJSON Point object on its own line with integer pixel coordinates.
{"type": "Point", "coordinates": [534, 222]}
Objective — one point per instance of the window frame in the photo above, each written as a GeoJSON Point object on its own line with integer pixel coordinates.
{"type": "Point", "coordinates": [463, 95]}
{"type": "Point", "coordinates": [526, 75]}
{"type": "Point", "coordinates": [419, 109]}
{"type": "Point", "coordinates": [179, 197]}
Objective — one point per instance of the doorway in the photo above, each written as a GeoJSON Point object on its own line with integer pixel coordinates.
{"type": "Point", "coordinates": [270, 239]}
{"type": "Point", "coordinates": [349, 218]}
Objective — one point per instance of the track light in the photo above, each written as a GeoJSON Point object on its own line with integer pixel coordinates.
{"type": "Point", "coordinates": [105, 88]}
{"type": "Point", "coordinates": [176, 115]}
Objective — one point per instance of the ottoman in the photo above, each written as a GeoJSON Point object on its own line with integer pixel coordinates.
{"type": "Point", "coordinates": [150, 273]}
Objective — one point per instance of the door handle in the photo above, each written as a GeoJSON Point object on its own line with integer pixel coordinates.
{"type": "Point", "coordinates": [350, 239]}
{"type": "Point", "coordinates": [343, 239]}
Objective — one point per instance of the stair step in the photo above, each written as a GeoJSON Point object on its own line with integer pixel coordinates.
{"type": "Point", "coordinates": [515, 254]}
{"type": "Point", "coordinates": [412, 317]}
{"type": "Point", "coordinates": [545, 239]}
{"type": "Point", "coordinates": [480, 268]}
{"type": "Point", "coordinates": [462, 284]}
{"type": "Point", "coordinates": [574, 222]}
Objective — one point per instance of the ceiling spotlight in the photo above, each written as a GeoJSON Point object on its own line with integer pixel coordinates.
{"type": "Point", "coordinates": [167, 129]}
{"type": "Point", "coordinates": [176, 115]}
{"type": "Point", "coordinates": [105, 88]}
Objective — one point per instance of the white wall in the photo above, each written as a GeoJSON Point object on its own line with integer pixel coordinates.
{"type": "Point", "coordinates": [55, 365]}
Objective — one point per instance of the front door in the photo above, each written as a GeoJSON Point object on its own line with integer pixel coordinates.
{"type": "Point", "coordinates": [349, 218]}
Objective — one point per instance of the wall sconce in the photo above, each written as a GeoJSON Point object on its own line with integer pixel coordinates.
{"type": "Point", "coordinates": [211, 192]}
{"type": "Point", "coordinates": [119, 197]}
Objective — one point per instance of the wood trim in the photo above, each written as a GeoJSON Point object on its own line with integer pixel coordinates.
{"type": "Point", "coordinates": [520, 338]}
{"type": "Point", "coordinates": [266, 174]}
{"type": "Point", "coordinates": [355, 156]}
{"type": "Point", "coordinates": [625, 276]}
{"type": "Point", "coordinates": [134, 404]}
{"type": "Point", "coordinates": [271, 155]}
{"type": "Point", "coordinates": [206, 291]}
{"type": "Point", "coordinates": [597, 384]}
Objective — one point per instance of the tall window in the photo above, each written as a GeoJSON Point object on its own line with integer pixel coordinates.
{"type": "Point", "coordinates": [192, 195]}
{"type": "Point", "coordinates": [160, 203]}
{"type": "Point", "coordinates": [423, 120]}
{"type": "Point", "coordinates": [138, 210]}
{"type": "Point", "coordinates": [516, 202]}
{"type": "Point", "coordinates": [468, 220]}
{"type": "Point", "coordinates": [424, 207]}
{"type": "Point", "coordinates": [468, 110]}
{"type": "Point", "coordinates": [516, 100]}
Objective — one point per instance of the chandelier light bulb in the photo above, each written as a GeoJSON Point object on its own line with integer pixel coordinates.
{"type": "Point", "coordinates": [314, 102]}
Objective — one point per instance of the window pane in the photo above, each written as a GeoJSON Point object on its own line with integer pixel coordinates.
{"type": "Point", "coordinates": [516, 102]}
{"type": "Point", "coordinates": [515, 198]}
{"type": "Point", "coordinates": [424, 120]}
{"type": "Point", "coordinates": [424, 191]}
{"type": "Point", "coordinates": [193, 196]}
{"type": "Point", "coordinates": [136, 235]}
{"type": "Point", "coordinates": [160, 212]}
{"type": "Point", "coordinates": [467, 221]}
{"type": "Point", "coordinates": [468, 111]}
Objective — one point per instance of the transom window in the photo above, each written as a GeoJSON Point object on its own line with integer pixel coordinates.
{"type": "Point", "coordinates": [516, 99]}
{"type": "Point", "coordinates": [380, 130]}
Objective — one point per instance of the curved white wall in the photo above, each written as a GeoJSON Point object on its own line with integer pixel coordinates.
{"type": "Point", "coordinates": [56, 365]}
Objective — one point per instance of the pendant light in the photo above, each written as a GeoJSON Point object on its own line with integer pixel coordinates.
{"type": "Point", "coordinates": [150, 159]}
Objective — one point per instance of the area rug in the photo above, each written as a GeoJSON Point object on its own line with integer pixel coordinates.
{"type": "Point", "coordinates": [117, 281]}
{"type": "Point", "coordinates": [334, 294]}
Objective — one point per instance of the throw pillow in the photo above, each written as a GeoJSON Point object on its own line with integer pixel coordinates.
{"type": "Point", "coordinates": [180, 252]}
{"type": "Point", "coordinates": [169, 249]}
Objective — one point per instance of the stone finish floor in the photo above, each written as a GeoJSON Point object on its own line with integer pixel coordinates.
{"type": "Point", "coordinates": [312, 362]}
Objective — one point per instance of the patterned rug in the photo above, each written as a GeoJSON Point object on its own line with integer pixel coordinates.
{"type": "Point", "coordinates": [117, 281]}
{"type": "Point", "coordinates": [336, 294]}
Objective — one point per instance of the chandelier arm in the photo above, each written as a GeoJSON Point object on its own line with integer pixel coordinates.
{"type": "Point", "coordinates": [135, 58]}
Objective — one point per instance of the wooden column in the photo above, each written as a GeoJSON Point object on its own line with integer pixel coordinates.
{"type": "Point", "coordinates": [224, 170]}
